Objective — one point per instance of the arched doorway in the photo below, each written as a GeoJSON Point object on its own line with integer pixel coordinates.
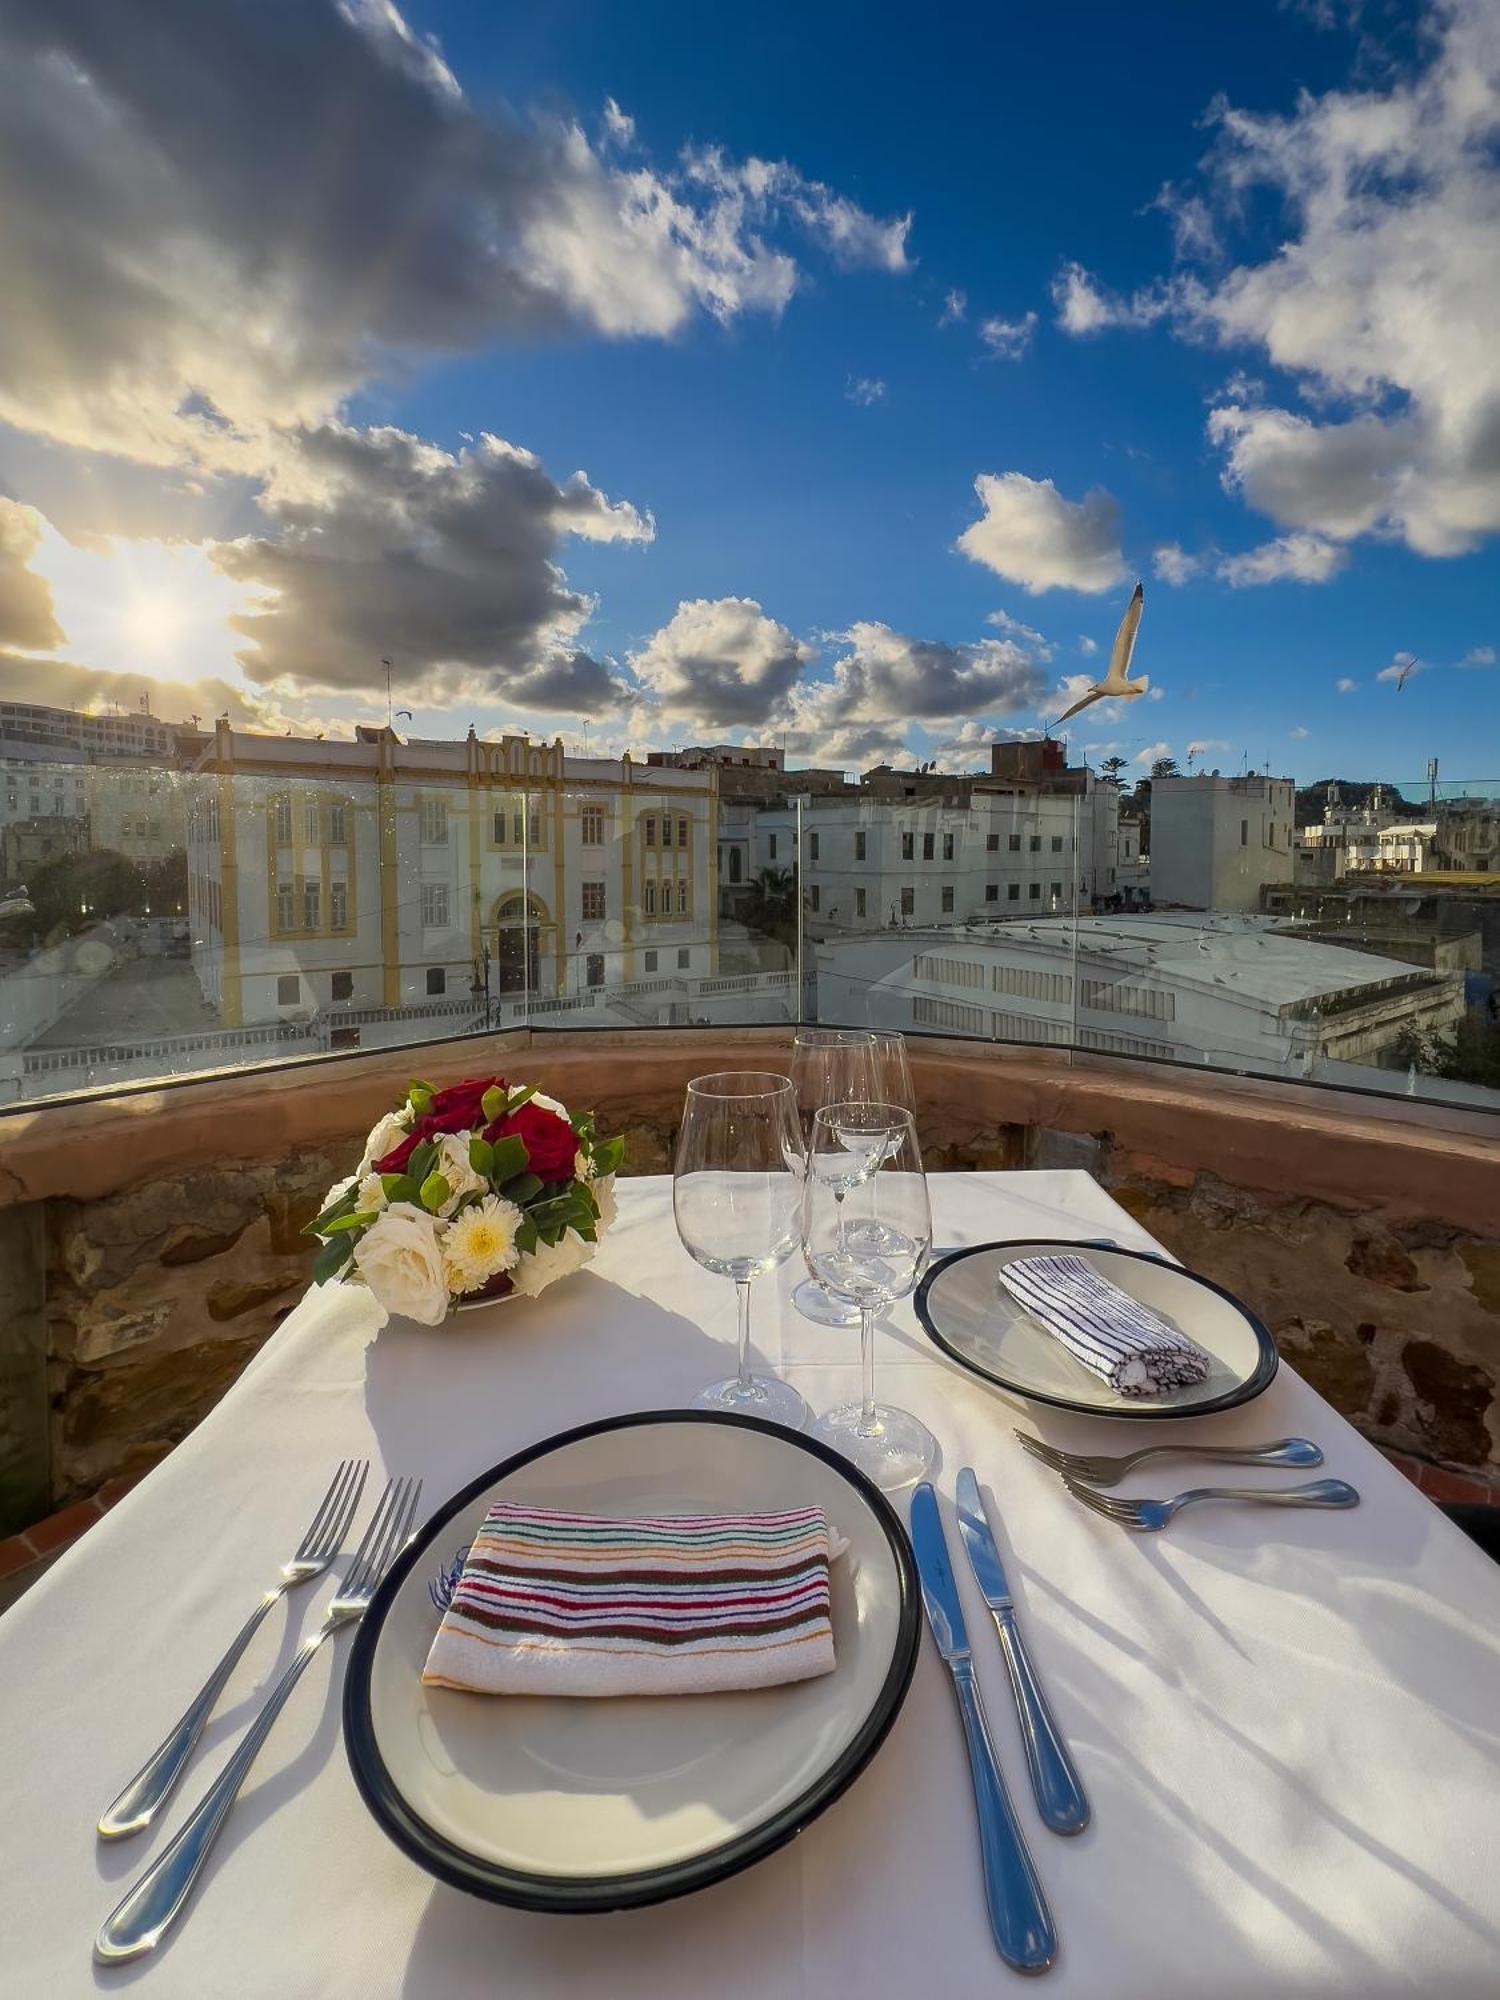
{"type": "Point", "coordinates": [523, 942]}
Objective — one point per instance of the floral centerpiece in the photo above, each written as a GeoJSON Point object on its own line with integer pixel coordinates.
{"type": "Point", "coordinates": [479, 1191]}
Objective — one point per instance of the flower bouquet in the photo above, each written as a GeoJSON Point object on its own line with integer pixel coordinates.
{"type": "Point", "coordinates": [480, 1191]}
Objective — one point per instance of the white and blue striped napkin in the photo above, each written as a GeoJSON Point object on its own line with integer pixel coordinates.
{"type": "Point", "coordinates": [1111, 1333]}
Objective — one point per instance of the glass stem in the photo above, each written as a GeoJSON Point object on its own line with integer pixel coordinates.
{"type": "Point", "coordinates": [742, 1288]}
{"type": "Point", "coordinates": [838, 1209]}
{"type": "Point", "coordinates": [867, 1421]}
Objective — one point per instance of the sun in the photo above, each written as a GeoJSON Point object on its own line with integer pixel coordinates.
{"type": "Point", "coordinates": [151, 622]}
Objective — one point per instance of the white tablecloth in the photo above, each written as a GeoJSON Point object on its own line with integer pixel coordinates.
{"type": "Point", "coordinates": [1288, 1724]}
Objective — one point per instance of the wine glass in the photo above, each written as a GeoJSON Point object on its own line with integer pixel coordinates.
{"type": "Point", "coordinates": [893, 1086]}
{"type": "Point", "coordinates": [861, 1153]}
{"type": "Point", "coordinates": [831, 1066]}
{"type": "Point", "coordinates": [736, 1195]}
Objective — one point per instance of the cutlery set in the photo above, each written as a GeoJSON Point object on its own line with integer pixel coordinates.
{"type": "Point", "coordinates": [148, 1909]}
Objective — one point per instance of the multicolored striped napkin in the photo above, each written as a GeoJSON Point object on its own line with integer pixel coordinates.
{"type": "Point", "coordinates": [582, 1604]}
{"type": "Point", "coordinates": [1133, 1348]}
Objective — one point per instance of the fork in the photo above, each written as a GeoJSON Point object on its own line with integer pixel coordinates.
{"type": "Point", "coordinates": [1147, 1516]}
{"type": "Point", "coordinates": [141, 1799]}
{"type": "Point", "coordinates": [148, 1909]}
{"type": "Point", "coordinates": [1096, 1470]}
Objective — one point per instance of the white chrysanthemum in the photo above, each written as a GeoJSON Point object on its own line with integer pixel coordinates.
{"type": "Point", "coordinates": [480, 1242]}
{"type": "Point", "coordinates": [338, 1191]}
{"type": "Point", "coordinates": [371, 1195]}
{"type": "Point", "coordinates": [386, 1136]}
{"type": "Point", "coordinates": [549, 1262]}
{"type": "Point", "coordinates": [603, 1192]}
{"type": "Point", "coordinates": [452, 1162]}
{"type": "Point", "coordinates": [400, 1259]}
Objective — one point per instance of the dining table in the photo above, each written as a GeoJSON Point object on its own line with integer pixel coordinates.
{"type": "Point", "coordinates": [1287, 1721]}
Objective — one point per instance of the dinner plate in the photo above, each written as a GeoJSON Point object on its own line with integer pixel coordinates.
{"type": "Point", "coordinates": [588, 1804]}
{"type": "Point", "coordinates": [970, 1316]}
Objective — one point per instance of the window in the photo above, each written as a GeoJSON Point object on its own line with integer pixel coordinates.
{"type": "Point", "coordinates": [592, 826]}
{"type": "Point", "coordinates": [859, 846]}
{"type": "Point", "coordinates": [437, 981]}
{"type": "Point", "coordinates": [666, 830]}
{"type": "Point", "coordinates": [285, 910]}
{"type": "Point", "coordinates": [650, 961]}
{"type": "Point", "coordinates": [283, 820]}
{"type": "Point", "coordinates": [342, 986]}
{"type": "Point", "coordinates": [288, 989]}
{"type": "Point", "coordinates": [311, 898]}
{"type": "Point", "coordinates": [434, 904]}
{"type": "Point", "coordinates": [859, 902]}
{"type": "Point", "coordinates": [682, 898]}
{"type": "Point", "coordinates": [948, 971]}
{"type": "Point", "coordinates": [736, 865]}
{"type": "Point", "coordinates": [435, 822]}
{"type": "Point", "coordinates": [928, 844]}
{"type": "Point", "coordinates": [650, 826]}
{"type": "Point", "coordinates": [771, 847]}
{"type": "Point", "coordinates": [1057, 843]}
{"type": "Point", "coordinates": [338, 906]}
{"type": "Point", "coordinates": [992, 843]}
{"type": "Point", "coordinates": [908, 847]}
{"type": "Point", "coordinates": [593, 968]}
{"type": "Point", "coordinates": [812, 847]}
{"type": "Point", "coordinates": [1244, 833]}
{"type": "Point", "coordinates": [815, 897]}
{"type": "Point", "coordinates": [1057, 892]}
{"type": "Point", "coordinates": [908, 902]}
{"type": "Point", "coordinates": [1034, 891]}
{"type": "Point", "coordinates": [682, 833]}
{"type": "Point", "coordinates": [992, 892]}
{"type": "Point", "coordinates": [338, 826]}
{"type": "Point", "coordinates": [310, 821]}
{"type": "Point", "coordinates": [593, 902]}
{"type": "Point", "coordinates": [1015, 843]}
{"type": "Point", "coordinates": [929, 1013]}
{"type": "Point", "coordinates": [947, 899]}
{"type": "Point", "coordinates": [947, 846]}
{"type": "Point", "coordinates": [684, 958]}
{"type": "Point", "coordinates": [1035, 843]}
{"type": "Point", "coordinates": [648, 896]}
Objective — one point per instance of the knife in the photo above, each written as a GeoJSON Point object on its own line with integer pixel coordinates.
{"type": "Point", "coordinates": [1059, 1795]}
{"type": "Point", "coordinates": [1019, 1918]}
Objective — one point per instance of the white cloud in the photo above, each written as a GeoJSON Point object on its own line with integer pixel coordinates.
{"type": "Point", "coordinates": [887, 677]}
{"type": "Point", "coordinates": [1478, 656]}
{"type": "Point", "coordinates": [721, 663]}
{"type": "Point", "coordinates": [1205, 744]}
{"type": "Point", "coordinates": [1084, 306]}
{"type": "Point", "coordinates": [1028, 636]}
{"type": "Point", "coordinates": [619, 127]}
{"type": "Point", "coordinates": [865, 390]}
{"type": "Point", "coordinates": [955, 305]}
{"type": "Point", "coordinates": [1086, 645]}
{"type": "Point", "coordinates": [1008, 339]}
{"type": "Point", "coordinates": [1298, 735]}
{"type": "Point", "coordinates": [1174, 565]}
{"type": "Point", "coordinates": [1152, 753]}
{"type": "Point", "coordinates": [1404, 667]}
{"type": "Point", "coordinates": [26, 614]}
{"type": "Point", "coordinates": [1031, 535]}
{"type": "Point", "coordinates": [1295, 558]}
{"type": "Point", "coordinates": [1345, 685]}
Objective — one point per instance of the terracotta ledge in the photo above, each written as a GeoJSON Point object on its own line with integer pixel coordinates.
{"type": "Point", "coordinates": [1396, 1157]}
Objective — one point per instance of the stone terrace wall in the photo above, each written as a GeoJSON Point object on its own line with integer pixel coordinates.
{"type": "Point", "coordinates": [156, 1234]}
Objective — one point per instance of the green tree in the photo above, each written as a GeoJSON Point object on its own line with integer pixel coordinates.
{"type": "Point", "coordinates": [770, 905]}
{"type": "Point", "coordinates": [77, 890]}
{"type": "Point", "coordinates": [1471, 1054]}
{"type": "Point", "coordinates": [1112, 767]}
{"type": "Point", "coordinates": [1165, 767]}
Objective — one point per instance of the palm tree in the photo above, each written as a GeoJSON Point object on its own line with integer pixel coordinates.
{"type": "Point", "coordinates": [1112, 767]}
{"type": "Point", "coordinates": [1165, 767]}
{"type": "Point", "coordinates": [770, 905]}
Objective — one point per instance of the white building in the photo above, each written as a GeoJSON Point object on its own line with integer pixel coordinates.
{"type": "Point", "coordinates": [1216, 841]}
{"type": "Point", "coordinates": [1230, 991]}
{"type": "Point", "coordinates": [132, 734]}
{"type": "Point", "coordinates": [360, 881]}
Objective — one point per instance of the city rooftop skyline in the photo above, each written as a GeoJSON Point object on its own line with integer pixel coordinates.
{"type": "Point", "coordinates": [821, 379]}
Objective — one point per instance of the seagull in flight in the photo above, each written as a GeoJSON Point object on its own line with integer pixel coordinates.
{"type": "Point", "coordinates": [1408, 667]}
{"type": "Point", "coordinates": [1114, 682]}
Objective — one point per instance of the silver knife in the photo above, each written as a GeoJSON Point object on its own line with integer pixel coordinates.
{"type": "Point", "coordinates": [1019, 1918]}
{"type": "Point", "coordinates": [1059, 1795]}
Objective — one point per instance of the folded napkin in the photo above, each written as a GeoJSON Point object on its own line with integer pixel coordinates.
{"type": "Point", "coordinates": [582, 1604]}
{"type": "Point", "coordinates": [1117, 1337]}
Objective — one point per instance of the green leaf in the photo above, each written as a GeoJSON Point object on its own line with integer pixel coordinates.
{"type": "Point", "coordinates": [589, 1231]}
{"type": "Point", "coordinates": [524, 1095]}
{"type": "Point", "coordinates": [608, 1154]}
{"type": "Point", "coordinates": [492, 1104]}
{"type": "Point", "coordinates": [419, 1166]}
{"type": "Point", "coordinates": [401, 1187]}
{"type": "Point", "coordinates": [332, 1258]}
{"type": "Point", "coordinates": [527, 1238]}
{"type": "Point", "coordinates": [346, 1222]}
{"type": "Point", "coordinates": [435, 1191]}
{"type": "Point", "coordinates": [348, 1200]}
{"type": "Point", "coordinates": [419, 1097]}
{"type": "Point", "coordinates": [482, 1156]}
{"type": "Point", "coordinates": [521, 1188]}
{"type": "Point", "coordinates": [510, 1158]}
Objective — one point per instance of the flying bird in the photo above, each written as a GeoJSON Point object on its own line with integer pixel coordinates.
{"type": "Point", "coordinates": [1408, 667]}
{"type": "Point", "coordinates": [1114, 683]}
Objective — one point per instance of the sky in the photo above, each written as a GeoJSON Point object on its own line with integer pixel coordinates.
{"type": "Point", "coordinates": [824, 376]}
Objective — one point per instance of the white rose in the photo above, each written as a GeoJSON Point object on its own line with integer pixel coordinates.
{"type": "Point", "coordinates": [400, 1258]}
{"type": "Point", "coordinates": [385, 1138]}
{"type": "Point", "coordinates": [452, 1163]}
{"type": "Point", "coordinates": [338, 1191]}
{"type": "Point", "coordinates": [551, 1104]}
{"type": "Point", "coordinates": [549, 1262]}
{"type": "Point", "coordinates": [603, 1192]}
{"type": "Point", "coordinates": [371, 1195]}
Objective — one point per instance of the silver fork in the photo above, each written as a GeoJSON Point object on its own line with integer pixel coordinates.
{"type": "Point", "coordinates": [147, 1911]}
{"type": "Point", "coordinates": [1147, 1516]}
{"type": "Point", "coordinates": [1101, 1471]}
{"type": "Point", "coordinates": [141, 1799]}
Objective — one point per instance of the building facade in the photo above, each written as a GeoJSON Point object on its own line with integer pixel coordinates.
{"type": "Point", "coordinates": [1217, 842]}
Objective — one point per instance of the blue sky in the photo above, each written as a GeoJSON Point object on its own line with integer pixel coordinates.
{"type": "Point", "coordinates": [1232, 372]}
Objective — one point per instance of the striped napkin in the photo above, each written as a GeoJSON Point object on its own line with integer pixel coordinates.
{"type": "Point", "coordinates": [1133, 1348]}
{"type": "Point", "coordinates": [583, 1604]}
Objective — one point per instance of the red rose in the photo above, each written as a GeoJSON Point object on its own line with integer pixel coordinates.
{"type": "Point", "coordinates": [459, 1108]}
{"type": "Point", "coordinates": [548, 1139]}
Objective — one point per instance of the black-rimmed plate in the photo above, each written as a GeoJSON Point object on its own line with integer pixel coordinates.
{"type": "Point", "coordinates": [975, 1321]}
{"type": "Point", "coordinates": [580, 1805]}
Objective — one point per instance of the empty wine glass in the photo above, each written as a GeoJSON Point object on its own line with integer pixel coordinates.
{"type": "Point", "coordinates": [736, 1195]}
{"type": "Point", "coordinates": [861, 1154]}
{"type": "Point", "coordinates": [893, 1085]}
{"type": "Point", "coordinates": [831, 1066]}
